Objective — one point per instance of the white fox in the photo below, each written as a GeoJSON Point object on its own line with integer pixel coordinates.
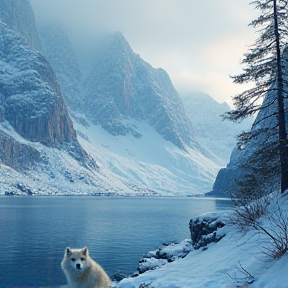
{"type": "Point", "coordinates": [83, 272]}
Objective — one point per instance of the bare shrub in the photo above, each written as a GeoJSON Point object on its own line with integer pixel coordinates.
{"type": "Point", "coordinates": [269, 217]}
{"type": "Point", "coordinates": [249, 214]}
{"type": "Point", "coordinates": [278, 232]}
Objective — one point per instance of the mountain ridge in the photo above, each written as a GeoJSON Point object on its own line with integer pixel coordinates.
{"type": "Point", "coordinates": [124, 81]}
{"type": "Point", "coordinates": [118, 99]}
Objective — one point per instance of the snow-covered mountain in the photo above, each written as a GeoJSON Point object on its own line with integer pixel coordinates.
{"type": "Point", "coordinates": [211, 131]}
{"type": "Point", "coordinates": [122, 86]}
{"type": "Point", "coordinates": [128, 116]}
{"type": "Point", "coordinates": [58, 51]}
{"type": "Point", "coordinates": [19, 17]}
{"type": "Point", "coordinates": [126, 101]}
{"type": "Point", "coordinates": [39, 150]}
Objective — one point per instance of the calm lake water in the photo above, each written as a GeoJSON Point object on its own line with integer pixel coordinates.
{"type": "Point", "coordinates": [117, 231]}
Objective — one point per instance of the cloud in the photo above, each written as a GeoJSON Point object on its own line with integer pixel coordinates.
{"type": "Point", "coordinates": [210, 83]}
{"type": "Point", "coordinates": [192, 40]}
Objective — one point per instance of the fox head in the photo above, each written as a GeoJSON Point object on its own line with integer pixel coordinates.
{"type": "Point", "coordinates": [77, 258]}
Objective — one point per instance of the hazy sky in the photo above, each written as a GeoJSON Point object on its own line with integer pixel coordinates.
{"type": "Point", "coordinates": [198, 42]}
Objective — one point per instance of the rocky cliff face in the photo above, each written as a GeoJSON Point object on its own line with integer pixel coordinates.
{"type": "Point", "coordinates": [121, 86]}
{"type": "Point", "coordinates": [238, 167]}
{"type": "Point", "coordinates": [30, 98]}
{"type": "Point", "coordinates": [30, 93]}
{"type": "Point", "coordinates": [19, 17]}
{"type": "Point", "coordinates": [17, 155]}
{"type": "Point", "coordinates": [58, 51]}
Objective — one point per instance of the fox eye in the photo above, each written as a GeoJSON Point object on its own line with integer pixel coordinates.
{"type": "Point", "coordinates": [73, 259]}
{"type": "Point", "coordinates": [82, 259]}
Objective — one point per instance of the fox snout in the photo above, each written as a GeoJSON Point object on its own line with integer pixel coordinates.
{"type": "Point", "coordinates": [78, 266]}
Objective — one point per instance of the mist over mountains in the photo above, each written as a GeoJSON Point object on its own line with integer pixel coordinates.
{"type": "Point", "coordinates": [133, 134]}
{"type": "Point", "coordinates": [210, 129]}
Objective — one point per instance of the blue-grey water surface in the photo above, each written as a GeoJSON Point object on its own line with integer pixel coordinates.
{"type": "Point", "coordinates": [117, 231]}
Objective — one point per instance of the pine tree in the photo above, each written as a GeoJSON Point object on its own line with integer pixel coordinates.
{"type": "Point", "coordinates": [265, 65]}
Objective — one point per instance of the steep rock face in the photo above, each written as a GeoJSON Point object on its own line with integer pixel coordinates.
{"type": "Point", "coordinates": [32, 100]}
{"type": "Point", "coordinates": [17, 155]}
{"type": "Point", "coordinates": [121, 86]}
{"type": "Point", "coordinates": [18, 16]}
{"type": "Point", "coordinates": [212, 132]}
{"type": "Point", "coordinates": [30, 97]}
{"type": "Point", "coordinates": [238, 167]}
{"type": "Point", "coordinates": [58, 51]}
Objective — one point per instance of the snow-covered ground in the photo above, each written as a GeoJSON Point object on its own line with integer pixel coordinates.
{"type": "Point", "coordinates": [149, 161]}
{"type": "Point", "coordinates": [211, 268]}
{"type": "Point", "coordinates": [61, 174]}
{"type": "Point", "coordinates": [148, 165]}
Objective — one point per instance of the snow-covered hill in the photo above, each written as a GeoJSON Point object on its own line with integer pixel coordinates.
{"type": "Point", "coordinates": [148, 161]}
{"type": "Point", "coordinates": [52, 171]}
{"type": "Point", "coordinates": [219, 264]}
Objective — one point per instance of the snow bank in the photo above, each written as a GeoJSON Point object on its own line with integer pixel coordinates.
{"type": "Point", "coordinates": [168, 253]}
{"type": "Point", "coordinates": [220, 265]}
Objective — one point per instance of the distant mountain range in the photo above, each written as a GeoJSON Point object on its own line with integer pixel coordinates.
{"type": "Point", "coordinates": [133, 134]}
{"type": "Point", "coordinates": [210, 129]}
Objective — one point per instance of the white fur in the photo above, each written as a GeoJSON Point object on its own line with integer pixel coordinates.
{"type": "Point", "coordinates": [83, 272]}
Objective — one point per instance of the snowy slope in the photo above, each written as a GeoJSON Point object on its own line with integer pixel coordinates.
{"type": "Point", "coordinates": [211, 268]}
{"type": "Point", "coordinates": [127, 166]}
{"type": "Point", "coordinates": [210, 130]}
{"type": "Point", "coordinates": [59, 174]}
{"type": "Point", "coordinates": [148, 161]}
{"type": "Point", "coordinates": [149, 165]}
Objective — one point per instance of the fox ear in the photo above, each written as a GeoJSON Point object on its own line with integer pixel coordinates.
{"type": "Point", "coordinates": [68, 251]}
{"type": "Point", "coordinates": [85, 251]}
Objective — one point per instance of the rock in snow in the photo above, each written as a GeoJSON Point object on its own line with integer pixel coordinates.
{"type": "Point", "coordinates": [163, 255]}
{"type": "Point", "coordinates": [205, 230]}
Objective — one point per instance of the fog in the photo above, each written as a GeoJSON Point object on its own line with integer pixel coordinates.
{"type": "Point", "coordinates": [198, 42]}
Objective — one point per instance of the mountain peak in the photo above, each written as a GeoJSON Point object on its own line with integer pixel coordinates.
{"type": "Point", "coordinates": [122, 85]}
{"type": "Point", "coordinates": [18, 16]}
{"type": "Point", "coordinates": [119, 43]}
{"type": "Point", "coordinates": [119, 35]}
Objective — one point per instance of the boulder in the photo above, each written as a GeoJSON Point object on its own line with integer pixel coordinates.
{"type": "Point", "coordinates": [206, 229]}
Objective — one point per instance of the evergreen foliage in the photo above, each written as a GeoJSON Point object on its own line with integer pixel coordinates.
{"type": "Point", "coordinates": [266, 66]}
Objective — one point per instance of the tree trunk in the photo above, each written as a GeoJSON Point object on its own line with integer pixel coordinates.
{"type": "Point", "coordinates": [283, 151]}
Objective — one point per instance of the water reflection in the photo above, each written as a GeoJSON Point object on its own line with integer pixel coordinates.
{"type": "Point", "coordinates": [117, 231]}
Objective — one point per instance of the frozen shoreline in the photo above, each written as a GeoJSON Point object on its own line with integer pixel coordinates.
{"type": "Point", "coordinates": [211, 267]}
